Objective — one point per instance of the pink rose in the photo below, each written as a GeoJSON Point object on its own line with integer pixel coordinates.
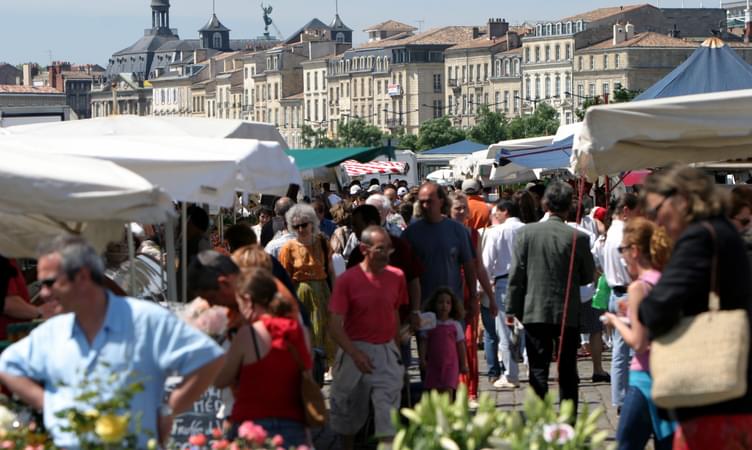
{"type": "Point", "coordinates": [7, 444]}
{"type": "Point", "coordinates": [277, 440]}
{"type": "Point", "coordinates": [198, 440]}
{"type": "Point", "coordinates": [217, 433]}
{"type": "Point", "coordinates": [260, 435]}
{"type": "Point", "coordinates": [234, 446]}
{"type": "Point", "coordinates": [246, 430]}
{"type": "Point", "coordinates": [220, 445]}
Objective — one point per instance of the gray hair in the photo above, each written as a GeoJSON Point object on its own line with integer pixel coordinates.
{"type": "Point", "coordinates": [558, 197]}
{"type": "Point", "coordinates": [366, 237]}
{"type": "Point", "coordinates": [381, 202]}
{"type": "Point", "coordinates": [75, 254]}
{"type": "Point", "coordinates": [303, 213]}
{"type": "Point", "coordinates": [206, 267]}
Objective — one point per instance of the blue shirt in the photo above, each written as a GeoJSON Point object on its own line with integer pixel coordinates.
{"type": "Point", "coordinates": [327, 227]}
{"type": "Point", "coordinates": [443, 248]}
{"type": "Point", "coordinates": [137, 337]}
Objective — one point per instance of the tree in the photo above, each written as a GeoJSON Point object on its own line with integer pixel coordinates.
{"type": "Point", "coordinates": [490, 127]}
{"type": "Point", "coordinates": [590, 101]}
{"type": "Point", "coordinates": [438, 132]}
{"type": "Point", "coordinates": [358, 133]}
{"type": "Point", "coordinates": [315, 138]}
{"type": "Point", "coordinates": [544, 121]}
{"type": "Point", "coordinates": [402, 140]}
{"type": "Point", "coordinates": [622, 95]}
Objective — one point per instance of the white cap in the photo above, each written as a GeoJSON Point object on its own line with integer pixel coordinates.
{"type": "Point", "coordinates": [374, 188]}
{"type": "Point", "coordinates": [354, 189]}
{"type": "Point", "coordinates": [402, 191]}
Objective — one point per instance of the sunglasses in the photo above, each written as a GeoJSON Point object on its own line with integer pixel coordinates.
{"type": "Point", "coordinates": [622, 248]}
{"type": "Point", "coordinates": [744, 222]}
{"type": "Point", "coordinates": [301, 226]}
{"type": "Point", "coordinates": [652, 213]}
{"type": "Point", "coordinates": [48, 282]}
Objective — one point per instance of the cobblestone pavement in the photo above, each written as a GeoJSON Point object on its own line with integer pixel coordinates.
{"type": "Point", "coordinates": [595, 395]}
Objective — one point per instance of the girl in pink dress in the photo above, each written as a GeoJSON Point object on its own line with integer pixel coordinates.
{"type": "Point", "coordinates": [442, 348]}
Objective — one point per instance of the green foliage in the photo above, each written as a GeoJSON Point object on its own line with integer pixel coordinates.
{"type": "Point", "coordinates": [490, 127]}
{"type": "Point", "coordinates": [356, 132]}
{"type": "Point", "coordinates": [103, 421]}
{"type": "Point", "coordinates": [590, 101]}
{"type": "Point", "coordinates": [315, 138]}
{"type": "Point", "coordinates": [405, 140]}
{"type": "Point", "coordinates": [544, 121]}
{"type": "Point", "coordinates": [622, 95]}
{"type": "Point", "coordinates": [437, 133]}
{"type": "Point", "coordinates": [437, 423]}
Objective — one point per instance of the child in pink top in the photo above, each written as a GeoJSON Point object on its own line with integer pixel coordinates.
{"type": "Point", "coordinates": [443, 354]}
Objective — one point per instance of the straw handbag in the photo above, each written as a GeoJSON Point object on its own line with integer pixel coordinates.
{"type": "Point", "coordinates": [703, 359]}
{"type": "Point", "coordinates": [314, 405]}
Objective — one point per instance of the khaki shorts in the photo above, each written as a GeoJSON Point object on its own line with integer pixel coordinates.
{"type": "Point", "coordinates": [352, 390]}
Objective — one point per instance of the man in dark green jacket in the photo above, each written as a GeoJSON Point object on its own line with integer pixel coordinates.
{"type": "Point", "coordinates": [537, 285]}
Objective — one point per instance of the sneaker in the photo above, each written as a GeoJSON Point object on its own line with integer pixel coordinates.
{"type": "Point", "coordinates": [472, 404]}
{"type": "Point", "coordinates": [504, 383]}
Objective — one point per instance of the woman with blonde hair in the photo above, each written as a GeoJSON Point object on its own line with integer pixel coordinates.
{"type": "Point", "coordinates": [686, 202]}
{"type": "Point", "coordinates": [645, 249]}
{"type": "Point", "coordinates": [307, 259]}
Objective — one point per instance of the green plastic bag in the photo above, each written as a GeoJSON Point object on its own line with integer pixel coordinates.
{"type": "Point", "coordinates": [602, 294]}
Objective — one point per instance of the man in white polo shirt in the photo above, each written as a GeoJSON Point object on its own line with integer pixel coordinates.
{"type": "Point", "coordinates": [618, 279]}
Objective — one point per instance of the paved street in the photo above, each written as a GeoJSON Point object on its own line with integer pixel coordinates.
{"type": "Point", "coordinates": [593, 394]}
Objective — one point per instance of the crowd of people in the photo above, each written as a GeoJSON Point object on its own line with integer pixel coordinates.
{"type": "Point", "coordinates": [345, 286]}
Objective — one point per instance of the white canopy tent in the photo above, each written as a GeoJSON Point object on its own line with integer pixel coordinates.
{"type": "Point", "coordinates": [42, 196]}
{"type": "Point", "coordinates": [191, 169]}
{"type": "Point", "coordinates": [128, 125]}
{"type": "Point", "coordinates": [652, 133]}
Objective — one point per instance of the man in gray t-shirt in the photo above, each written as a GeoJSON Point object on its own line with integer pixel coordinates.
{"type": "Point", "coordinates": [442, 244]}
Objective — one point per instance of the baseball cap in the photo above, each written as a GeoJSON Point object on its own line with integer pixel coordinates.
{"type": "Point", "coordinates": [471, 186]}
{"type": "Point", "coordinates": [599, 213]}
{"type": "Point", "coordinates": [374, 188]}
{"type": "Point", "coordinates": [354, 189]}
{"type": "Point", "coordinates": [402, 191]}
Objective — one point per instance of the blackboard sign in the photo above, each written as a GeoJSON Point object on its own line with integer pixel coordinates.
{"type": "Point", "coordinates": [202, 418]}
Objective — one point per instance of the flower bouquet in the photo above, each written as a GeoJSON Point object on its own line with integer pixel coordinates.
{"type": "Point", "coordinates": [250, 437]}
{"type": "Point", "coordinates": [212, 320]}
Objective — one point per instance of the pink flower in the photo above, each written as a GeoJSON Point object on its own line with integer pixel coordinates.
{"type": "Point", "coordinates": [217, 433]}
{"type": "Point", "coordinates": [246, 429]}
{"type": "Point", "coordinates": [7, 444]}
{"type": "Point", "coordinates": [198, 440]}
{"type": "Point", "coordinates": [277, 440]}
{"type": "Point", "coordinates": [234, 446]}
{"type": "Point", "coordinates": [220, 445]}
{"type": "Point", "coordinates": [303, 447]}
{"type": "Point", "coordinates": [559, 433]}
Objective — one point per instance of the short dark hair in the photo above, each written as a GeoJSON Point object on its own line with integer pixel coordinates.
{"type": "Point", "coordinates": [558, 197]}
{"type": "Point", "coordinates": [366, 237]}
{"type": "Point", "coordinates": [628, 200]}
{"type": "Point", "coordinates": [206, 267]}
{"type": "Point", "coordinates": [198, 217]}
{"type": "Point", "coordinates": [369, 214]}
{"type": "Point", "coordinates": [510, 207]}
{"type": "Point", "coordinates": [239, 235]}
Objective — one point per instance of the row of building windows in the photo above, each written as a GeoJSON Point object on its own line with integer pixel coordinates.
{"type": "Point", "coordinates": [315, 86]}
{"type": "Point", "coordinates": [505, 101]}
{"type": "Point", "coordinates": [552, 86]}
{"type": "Point", "coordinates": [361, 63]}
{"type": "Point", "coordinates": [560, 28]}
{"type": "Point", "coordinates": [605, 62]}
{"type": "Point", "coordinates": [547, 53]}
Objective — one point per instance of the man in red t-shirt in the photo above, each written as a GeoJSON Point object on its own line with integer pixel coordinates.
{"type": "Point", "coordinates": [17, 305]}
{"type": "Point", "coordinates": [365, 324]}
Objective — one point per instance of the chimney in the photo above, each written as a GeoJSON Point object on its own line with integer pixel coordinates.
{"type": "Point", "coordinates": [497, 28]}
{"type": "Point", "coordinates": [476, 32]}
{"type": "Point", "coordinates": [619, 34]}
{"type": "Point", "coordinates": [199, 55]}
{"type": "Point", "coordinates": [629, 31]}
{"type": "Point", "coordinates": [26, 74]}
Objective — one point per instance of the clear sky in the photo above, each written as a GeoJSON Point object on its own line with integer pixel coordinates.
{"type": "Point", "coordinates": [89, 31]}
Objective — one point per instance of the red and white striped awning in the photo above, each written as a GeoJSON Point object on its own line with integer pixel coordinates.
{"type": "Point", "coordinates": [354, 168]}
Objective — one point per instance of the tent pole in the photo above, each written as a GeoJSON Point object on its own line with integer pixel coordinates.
{"type": "Point", "coordinates": [172, 280]}
{"type": "Point", "coordinates": [131, 262]}
{"type": "Point", "coordinates": [221, 220]}
{"type": "Point", "coordinates": [184, 252]}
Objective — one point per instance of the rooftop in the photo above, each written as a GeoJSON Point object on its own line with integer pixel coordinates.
{"type": "Point", "coordinates": [436, 36]}
{"type": "Point", "coordinates": [481, 42]}
{"type": "Point", "coordinates": [645, 40]}
{"type": "Point", "coordinates": [602, 13]}
{"type": "Point", "coordinates": [19, 89]}
{"type": "Point", "coordinates": [390, 25]}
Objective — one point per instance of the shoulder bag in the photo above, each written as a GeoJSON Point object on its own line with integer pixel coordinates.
{"type": "Point", "coordinates": [314, 406]}
{"type": "Point", "coordinates": [703, 359]}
